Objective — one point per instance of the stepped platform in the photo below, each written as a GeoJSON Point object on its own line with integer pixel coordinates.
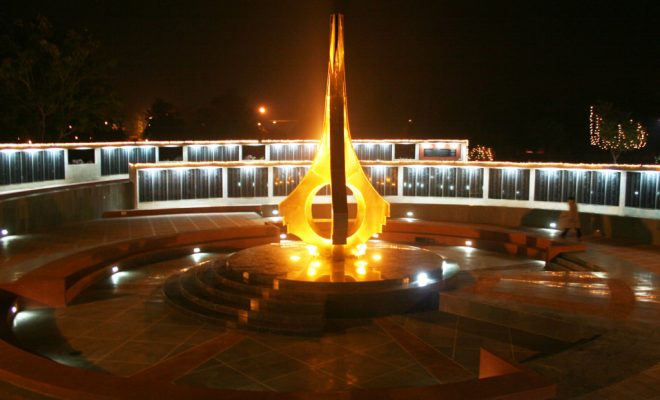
{"type": "Point", "coordinates": [286, 288]}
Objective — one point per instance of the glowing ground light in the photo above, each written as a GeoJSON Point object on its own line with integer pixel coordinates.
{"type": "Point", "coordinates": [375, 236]}
{"type": "Point", "coordinates": [4, 232]}
{"type": "Point", "coordinates": [115, 269]}
{"type": "Point", "coordinates": [553, 225]}
{"type": "Point", "coordinates": [376, 257]}
{"type": "Point", "coordinates": [294, 258]}
{"type": "Point", "coordinates": [276, 212]}
{"type": "Point", "coordinates": [422, 279]}
{"type": "Point", "coordinates": [196, 250]}
{"type": "Point", "coordinates": [410, 214]}
{"type": "Point", "coordinates": [313, 250]}
{"type": "Point", "coordinates": [283, 236]}
{"type": "Point", "coordinates": [361, 267]}
{"type": "Point", "coordinates": [311, 271]}
{"type": "Point", "coordinates": [14, 309]}
{"type": "Point", "coordinates": [468, 243]}
{"type": "Point", "coordinates": [360, 249]}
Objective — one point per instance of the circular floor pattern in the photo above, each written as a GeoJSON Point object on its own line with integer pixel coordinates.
{"type": "Point", "coordinates": [123, 326]}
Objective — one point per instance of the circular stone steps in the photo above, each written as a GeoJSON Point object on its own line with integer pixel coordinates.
{"type": "Point", "coordinates": [196, 292]}
{"type": "Point", "coordinates": [259, 292]}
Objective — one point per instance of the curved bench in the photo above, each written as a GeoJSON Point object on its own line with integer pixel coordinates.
{"type": "Point", "coordinates": [58, 282]}
{"type": "Point", "coordinates": [481, 236]}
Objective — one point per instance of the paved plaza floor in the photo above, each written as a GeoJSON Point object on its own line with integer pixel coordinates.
{"type": "Point", "coordinates": [594, 333]}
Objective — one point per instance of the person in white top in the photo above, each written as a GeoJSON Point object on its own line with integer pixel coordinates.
{"type": "Point", "coordinates": [570, 219]}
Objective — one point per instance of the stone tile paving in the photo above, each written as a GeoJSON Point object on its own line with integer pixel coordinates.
{"type": "Point", "coordinates": [21, 254]}
{"type": "Point", "coordinates": [123, 326]}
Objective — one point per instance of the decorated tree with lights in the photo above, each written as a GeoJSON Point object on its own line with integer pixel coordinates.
{"type": "Point", "coordinates": [614, 131]}
{"type": "Point", "coordinates": [481, 153]}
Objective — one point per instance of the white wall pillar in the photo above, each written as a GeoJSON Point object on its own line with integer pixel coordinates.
{"type": "Point", "coordinates": [486, 182]}
{"type": "Point", "coordinates": [269, 183]}
{"type": "Point", "coordinates": [399, 181]}
{"type": "Point", "coordinates": [623, 183]}
{"type": "Point", "coordinates": [225, 183]}
{"type": "Point", "coordinates": [532, 183]}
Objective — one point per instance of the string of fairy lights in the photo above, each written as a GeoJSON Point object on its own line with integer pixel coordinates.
{"type": "Point", "coordinates": [481, 153]}
{"type": "Point", "coordinates": [623, 140]}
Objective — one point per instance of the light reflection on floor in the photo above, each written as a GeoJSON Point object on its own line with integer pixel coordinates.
{"type": "Point", "coordinates": [123, 326]}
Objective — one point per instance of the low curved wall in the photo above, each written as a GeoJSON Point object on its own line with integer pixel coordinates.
{"type": "Point", "coordinates": [631, 229]}
{"type": "Point", "coordinates": [635, 230]}
{"type": "Point", "coordinates": [28, 211]}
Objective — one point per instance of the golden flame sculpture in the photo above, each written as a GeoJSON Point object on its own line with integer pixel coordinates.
{"type": "Point", "coordinates": [337, 165]}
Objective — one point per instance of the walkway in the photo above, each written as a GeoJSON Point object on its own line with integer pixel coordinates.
{"type": "Point", "coordinates": [595, 333]}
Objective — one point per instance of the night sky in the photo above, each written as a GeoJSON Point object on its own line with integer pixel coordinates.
{"type": "Point", "coordinates": [513, 75]}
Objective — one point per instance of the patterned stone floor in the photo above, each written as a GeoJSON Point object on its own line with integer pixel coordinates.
{"type": "Point", "coordinates": [597, 334]}
{"type": "Point", "coordinates": [123, 326]}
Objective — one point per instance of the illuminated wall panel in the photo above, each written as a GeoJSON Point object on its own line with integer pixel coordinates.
{"type": "Point", "coordinates": [247, 182]}
{"type": "Point", "coordinates": [643, 190]}
{"type": "Point", "coordinates": [198, 153]}
{"type": "Point", "coordinates": [285, 179]}
{"type": "Point", "coordinates": [384, 179]}
{"type": "Point", "coordinates": [443, 181]}
{"type": "Point", "coordinates": [179, 184]}
{"type": "Point", "coordinates": [293, 152]}
{"type": "Point", "coordinates": [115, 160]}
{"type": "Point", "coordinates": [508, 184]}
{"type": "Point", "coordinates": [25, 166]}
{"type": "Point", "coordinates": [373, 151]}
{"type": "Point", "coordinates": [588, 187]}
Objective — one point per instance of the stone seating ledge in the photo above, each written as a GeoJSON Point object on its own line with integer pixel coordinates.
{"type": "Point", "coordinates": [58, 282]}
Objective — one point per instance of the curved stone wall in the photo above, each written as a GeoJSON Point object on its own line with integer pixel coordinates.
{"type": "Point", "coordinates": [29, 211]}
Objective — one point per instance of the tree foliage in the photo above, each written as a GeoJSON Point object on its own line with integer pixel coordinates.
{"type": "Point", "coordinates": [614, 130]}
{"type": "Point", "coordinates": [53, 86]}
{"type": "Point", "coordinates": [227, 115]}
{"type": "Point", "coordinates": [163, 122]}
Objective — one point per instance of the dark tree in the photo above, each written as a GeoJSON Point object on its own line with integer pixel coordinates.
{"type": "Point", "coordinates": [228, 115]}
{"type": "Point", "coordinates": [163, 122]}
{"type": "Point", "coordinates": [53, 86]}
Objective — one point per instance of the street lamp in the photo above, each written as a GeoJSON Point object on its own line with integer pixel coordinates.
{"type": "Point", "coordinates": [261, 110]}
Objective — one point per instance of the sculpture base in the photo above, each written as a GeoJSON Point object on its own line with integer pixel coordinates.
{"type": "Point", "coordinates": [379, 261]}
{"type": "Point", "coordinates": [288, 288]}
